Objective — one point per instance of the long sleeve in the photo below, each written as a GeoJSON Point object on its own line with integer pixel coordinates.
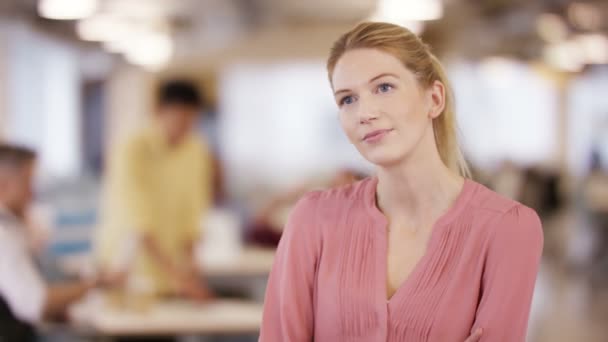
{"type": "Point", "coordinates": [204, 190]}
{"type": "Point", "coordinates": [21, 285]}
{"type": "Point", "coordinates": [289, 302]}
{"type": "Point", "coordinates": [509, 276]}
{"type": "Point", "coordinates": [136, 186]}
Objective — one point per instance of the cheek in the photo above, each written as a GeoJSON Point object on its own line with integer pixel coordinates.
{"type": "Point", "coordinates": [409, 119]}
{"type": "Point", "coordinates": [349, 126]}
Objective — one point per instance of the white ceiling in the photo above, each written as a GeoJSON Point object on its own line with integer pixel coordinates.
{"type": "Point", "coordinates": [201, 28]}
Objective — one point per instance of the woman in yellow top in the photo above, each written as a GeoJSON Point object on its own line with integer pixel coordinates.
{"type": "Point", "coordinates": [158, 185]}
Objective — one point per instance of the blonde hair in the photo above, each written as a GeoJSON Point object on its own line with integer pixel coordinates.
{"type": "Point", "coordinates": [417, 57]}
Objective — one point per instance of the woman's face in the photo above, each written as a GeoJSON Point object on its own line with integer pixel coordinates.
{"type": "Point", "coordinates": [383, 110]}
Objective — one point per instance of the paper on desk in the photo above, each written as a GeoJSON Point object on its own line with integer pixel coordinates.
{"type": "Point", "coordinates": [221, 243]}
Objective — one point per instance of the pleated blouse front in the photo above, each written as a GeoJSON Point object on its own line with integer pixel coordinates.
{"type": "Point", "coordinates": [328, 282]}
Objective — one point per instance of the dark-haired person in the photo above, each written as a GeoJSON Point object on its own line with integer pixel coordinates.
{"type": "Point", "coordinates": [157, 187]}
{"type": "Point", "coordinates": [25, 298]}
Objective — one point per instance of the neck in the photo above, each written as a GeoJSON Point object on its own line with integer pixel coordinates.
{"type": "Point", "coordinates": [160, 130]}
{"type": "Point", "coordinates": [417, 190]}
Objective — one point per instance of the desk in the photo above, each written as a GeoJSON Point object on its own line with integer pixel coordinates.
{"type": "Point", "coordinates": [94, 317]}
{"type": "Point", "coordinates": [246, 274]}
{"type": "Point", "coordinates": [252, 261]}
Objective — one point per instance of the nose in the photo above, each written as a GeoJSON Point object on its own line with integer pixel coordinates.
{"type": "Point", "coordinates": [367, 111]}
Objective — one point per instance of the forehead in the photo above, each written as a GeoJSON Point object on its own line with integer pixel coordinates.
{"type": "Point", "coordinates": [360, 65]}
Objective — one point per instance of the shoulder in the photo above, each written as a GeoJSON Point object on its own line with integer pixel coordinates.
{"type": "Point", "coordinates": [321, 207]}
{"type": "Point", "coordinates": [197, 143]}
{"type": "Point", "coordinates": [521, 223]}
{"type": "Point", "coordinates": [497, 208]}
{"type": "Point", "coordinates": [334, 200]}
{"type": "Point", "coordinates": [317, 211]}
{"type": "Point", "coordinates": [507, 222]}
{"type": "Point", "coordinates": [490, 202]}
{"type": "Point", "coordinates": [136, 144]}
{"type": "Point", "coordinates": [140, 136]}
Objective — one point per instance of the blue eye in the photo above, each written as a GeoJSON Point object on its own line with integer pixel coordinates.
{"type": "Point", "coordinates": [384, 87]}
{"type": "Point", "coordinates": [346, 100]}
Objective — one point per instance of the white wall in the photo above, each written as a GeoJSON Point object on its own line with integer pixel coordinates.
{"type": "Point", "coordinates": [3, 75]}
{"type": "Point", "coordinates": [279, 124]}
{"type": "Point", "coordinates": [506, 111]}
{"type": "Point", "coordinates": [41, 90]}
{"type": "Point", "coordinates": [129, 99]}
{"type": "Point", "coordinates": [587, 120]}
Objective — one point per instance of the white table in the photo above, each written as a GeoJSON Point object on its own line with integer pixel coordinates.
{"type": "Point", "coordinates": [252, 261]}
{"type": "Point", "coordinates": [171, 317]}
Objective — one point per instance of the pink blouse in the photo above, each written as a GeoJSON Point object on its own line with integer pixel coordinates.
{"type": "Point", "coordinates": [328, 282]}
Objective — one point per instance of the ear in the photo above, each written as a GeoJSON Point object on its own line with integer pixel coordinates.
{"type": "Point", "coordinates": [436, 94]}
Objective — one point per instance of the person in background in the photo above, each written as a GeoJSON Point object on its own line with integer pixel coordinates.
{"type": "Point", "coordinates": [25, 298]}
{"type": "Point", "coordinates": [158, 185]}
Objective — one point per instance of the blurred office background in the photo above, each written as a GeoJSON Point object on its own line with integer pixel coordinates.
{"type": "Point", "coordinates": [531, 82]}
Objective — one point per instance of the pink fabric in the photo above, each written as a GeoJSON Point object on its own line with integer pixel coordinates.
{"type": "Point", "coordinates": [328, 282]}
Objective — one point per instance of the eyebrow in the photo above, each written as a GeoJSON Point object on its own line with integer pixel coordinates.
{"type": "Point", "coordinates": [370, 81]}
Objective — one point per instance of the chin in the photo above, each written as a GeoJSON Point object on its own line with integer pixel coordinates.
{"type": "Point", "coordinates": [384, 157]}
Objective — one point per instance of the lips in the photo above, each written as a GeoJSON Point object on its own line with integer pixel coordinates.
{"type": "Point", "coordinates": [376, 135]}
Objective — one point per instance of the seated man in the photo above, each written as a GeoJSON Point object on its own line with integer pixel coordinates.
{"type": "Point", "coordinates": [25, 299]}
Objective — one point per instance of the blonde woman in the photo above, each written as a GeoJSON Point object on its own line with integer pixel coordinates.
{"type": "Point", "coordinates": [418, 252]}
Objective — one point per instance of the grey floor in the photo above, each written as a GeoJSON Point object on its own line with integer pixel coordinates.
{"type": "Point", "coordinates": [571, 296]}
